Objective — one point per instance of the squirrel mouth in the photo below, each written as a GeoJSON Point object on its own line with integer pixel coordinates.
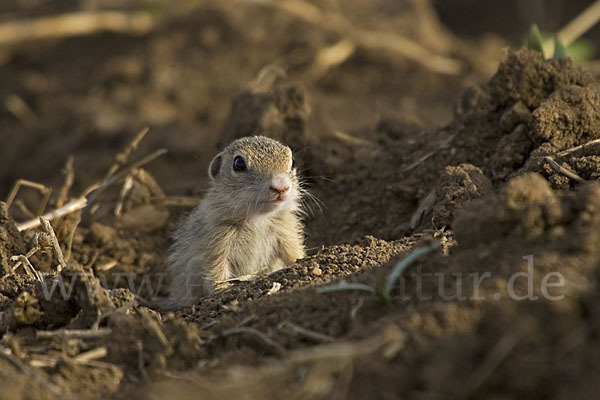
{"type": "Point", "coordinates": [275, 201]}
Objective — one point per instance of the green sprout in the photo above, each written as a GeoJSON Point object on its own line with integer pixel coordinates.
{"type": "Point", "coordinates": [535, 41]}
{"type": "Point", "coordinates": [384, 291]}
{"type": "Point", "coordinates": [560, 51]}
{"type": "Point", "coordinates": [579, 50]}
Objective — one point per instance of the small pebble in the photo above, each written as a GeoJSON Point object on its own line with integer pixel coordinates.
{"type": "Point", "coordinates": [317, 271]}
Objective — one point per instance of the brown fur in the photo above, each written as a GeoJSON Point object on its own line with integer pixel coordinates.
{"type": "Point", "coordinates": [234, 231]}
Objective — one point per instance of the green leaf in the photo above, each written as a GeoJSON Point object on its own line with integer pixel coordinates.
{"type": "Point", "coordinates": [403, 264]}
{"type": "Point", "coordinates": [535, 41]}
{"type": "Point", "coordinates": [340, 287]}
{"type": "Point", "coordinates": [581, 50]}
{"type": "Point", "coordinates": [560, 50]}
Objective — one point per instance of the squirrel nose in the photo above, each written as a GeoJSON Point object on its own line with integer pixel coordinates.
{"type": "Point", "coordinates": [279, 189]}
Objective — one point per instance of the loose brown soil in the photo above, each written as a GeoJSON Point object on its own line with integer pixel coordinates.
{"type": "Point", "coordinates": [395, 156]}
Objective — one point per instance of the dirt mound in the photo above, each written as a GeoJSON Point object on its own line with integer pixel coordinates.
{"type": "Point", "coordinates": [502, 128]}
{"type": "Point", "coordinates": [11, 240]}
{"type": "Point", "coordinates": [452, 317]}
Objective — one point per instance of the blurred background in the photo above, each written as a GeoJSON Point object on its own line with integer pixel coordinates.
{"type": "Point", "coordinates": [81, 77]}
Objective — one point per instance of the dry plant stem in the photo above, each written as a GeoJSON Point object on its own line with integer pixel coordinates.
{"type": "Point", "coordinates": [87, 358]}
{"type": "Point", "coordinates": [390, 42]}
{"type": "Point", "coordinates": [74, 333]}
{"type": "Point", "coordinates": [127, 185]}
{"type": "Point", "coordinates": [55, 246]}
{"type": "Point", "coordinates": [30, 253]}
{"type": "Point", "coordinates": [563, 171]}
{"type": "Point", "coordinates": [97, 189]}
{"type": "Point", "coordinates": [352, 140]}
{"type": "Point", "coordinates": [581, 24]}
{"type": "Point", "coordinates": [122, 158]}
{"type": "Point", "coordinates": [332, 56]}
{"type": "Point", "coordinates": [46, 192]}
{"type": "Point", "coordinates": [94, 354]}
{"type": "Point", "coordinates": [7, 354]}
{"type": "Point", "coordinates": [23, 208]}
{"type": "Point", "coordinates": [245, 321]}
{"type": "Point", "coordinates": [71, 236]}
{"type": "Point", "coordinates": [354, 310]}
{"type": "Point", "coordinates": [425, 206]}
{"type": "Point", "coordinates": [43, 362]}
{"type": "Point", "coordinates": [178, 201]}
{"type": "Point", "coordinates": [320, 337]}
{"type": "Point", "coordinates": [390, 335]}
{"type": "Point", "coordinates": [427, 156]}
{"type": "Point", "coordinates": [102, 317]}
{"type": "Point", "coordinates": [31, 271]}
{"type": "Point", "coordinates": [75, 24]}
{"type": "Point", "coordinates": [71, 206]}
{"type": "Point", "coordinates": [63, 193]}
{"type": "Point", "coordinates": [106, 266]}
{"type": "Point", "coordinates": [155, 328]}
{"type": "Point", "coordinates": [257, 334]}
{"type": "Point", "coordinates": [577, 148]}
{"type": "Point", "coordinates": [21, 110]}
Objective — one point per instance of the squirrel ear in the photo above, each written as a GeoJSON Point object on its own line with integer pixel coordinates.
{"type": "Point", "coordinates": [215, 166]}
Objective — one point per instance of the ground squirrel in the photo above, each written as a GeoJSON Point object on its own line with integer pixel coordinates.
{"type": "Point", "coordinates": [249, 220]}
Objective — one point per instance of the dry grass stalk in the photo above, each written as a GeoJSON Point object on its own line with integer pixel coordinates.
{"type": "Point", "coordinates": [425, 206]}
{"type": "Point", "coordinates": [37, 247]}
{"type": "Point", "coordinates": [71, 236]}
{"type": "Point", "coordinates": [125, 189]}
{"type": "Point", "coordinates": [74, 333]}
{"type": "Point", "coordinates": [43, 361]}
{"type": "Point", "coordinates": [103, 316]}
{"type": "Point", "coordinates": [98, 189]}
{"type": "Point", "coordinates": [353, 140]}
{"type": "Point", "coordinates": [319, 337]}
{"type": "Point", "coordinates": [179, 201]}
{"type": "Point", "coordinates": [155, 328]}
{"type": "Point", "coordinates": [427, 156]}
{"type": "Point", "coordinates": [91, 355]}
{"type": "Point", "coordinates": [580, 24]}
{"type": "Point", "coordinates": [71, 206]}
{"type": "Point", "coordinates": [55, 245]}
{"type": "Point", "coordinates": [106, 266]}
{"type": "Point", "coordinates": [46, 192]}
{"type": "Point", "coordinates": [332, 56]}
{"type": "Point", "coordinates": [83, 201]}
{"type": "Point", "coordinates": [391, 336]}
{"type": "Point", "coordinates": [75, 24]}
{"type": "Point", "coordinates": [563, 171]}
{"type": "Point", "coordinates": [256, 334]}
{"type": "Point", "coordinates": [378, 41]}
{"type": "Point", "coordinates": [31, 271]}
{"type": "Point", "coordinates": [591, 143]}
{"type": "Point", "coordinates": [122, 158]}
{"type": "Point", "coordinates": [63, 193]}
{"type": "Point", "coordinates": [21, 110]}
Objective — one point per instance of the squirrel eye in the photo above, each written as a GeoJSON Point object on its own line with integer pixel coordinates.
{"type": "Point", "coordinates": [239, 164]}
{"type": "Point", "coordinates": [293, 162]}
